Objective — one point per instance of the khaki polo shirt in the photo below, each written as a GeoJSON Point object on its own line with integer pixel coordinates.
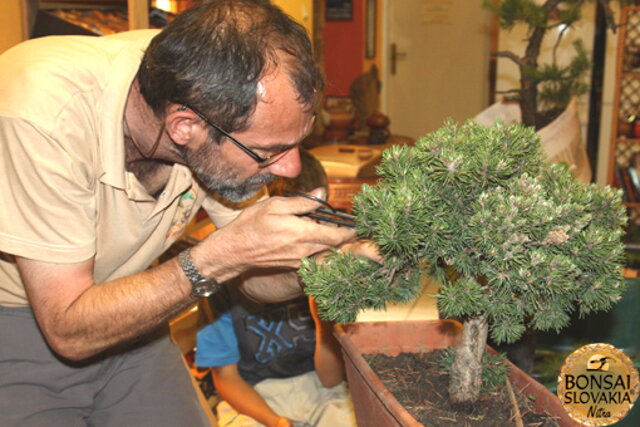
{"type": "Point", "coordinates": [65, 195]}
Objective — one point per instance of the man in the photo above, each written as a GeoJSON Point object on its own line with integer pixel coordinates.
{"type": "Point", "coordinates": [106, 156]}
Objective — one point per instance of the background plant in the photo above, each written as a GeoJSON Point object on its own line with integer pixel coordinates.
{"type": "Point", "coordinates": [545, 89]}
{"type": "Point", "coordinates": [513, 240]}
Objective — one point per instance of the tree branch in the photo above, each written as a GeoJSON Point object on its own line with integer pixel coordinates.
{"type": "Point", "coordinates": [509, 55]}
{"type": "Point", "coordinates": [551, 4]}
{"type": "Point", "coordinates": [557, 44]}
{"type": "Point", "coordinates": [506, 92]}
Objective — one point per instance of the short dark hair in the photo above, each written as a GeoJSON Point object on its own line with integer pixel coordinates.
{"type": "Point", "coordinates": [213, 55]}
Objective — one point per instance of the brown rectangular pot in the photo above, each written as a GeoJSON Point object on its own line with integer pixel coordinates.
{"type": "Point", "coordinates": [376, 406]}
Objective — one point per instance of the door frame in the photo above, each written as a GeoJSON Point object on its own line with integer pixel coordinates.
{"type": "Point", "coordinates": [384, 57]}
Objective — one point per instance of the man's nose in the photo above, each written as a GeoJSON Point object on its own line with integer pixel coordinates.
{"type": "Point", "coordinates": [289, 166]}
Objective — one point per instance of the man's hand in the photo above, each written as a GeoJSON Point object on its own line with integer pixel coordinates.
{"type": "Point", "coordinates": [266, 235]}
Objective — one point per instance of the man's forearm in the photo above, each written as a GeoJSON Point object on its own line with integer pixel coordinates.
{"type": "Point", "coordinates": [80, 320]}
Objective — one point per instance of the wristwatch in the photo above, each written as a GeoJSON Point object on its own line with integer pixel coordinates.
{"type": "Point", "coordinates": [202, 286]}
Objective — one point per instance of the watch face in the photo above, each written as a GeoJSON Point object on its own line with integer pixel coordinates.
{"type": "Point", "coordinates": [202, 287]}
{"type": "Point", "coordinates": [205, 288]}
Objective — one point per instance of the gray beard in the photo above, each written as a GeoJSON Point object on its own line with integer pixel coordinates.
{"type": "Point", "coordinates": [239, 192]}
{"type": "Point", "coordinates": [223, 182]}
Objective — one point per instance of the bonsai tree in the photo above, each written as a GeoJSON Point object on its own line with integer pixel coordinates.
{"type": "Point", "coordinates": [513, 240]}
{"type": "Point", "coordinates": [545, 89]}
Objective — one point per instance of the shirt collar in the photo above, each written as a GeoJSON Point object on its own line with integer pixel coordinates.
{"type": "Point", "coordinates": [124, 68]}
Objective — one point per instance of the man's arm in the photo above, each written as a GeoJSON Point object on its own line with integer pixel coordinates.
{"type": "Point", "coordinates": [244, 398]}
{"type": "Point", "coordinates": [80, 318]}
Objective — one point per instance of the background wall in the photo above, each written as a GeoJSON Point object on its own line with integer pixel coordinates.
{"type": "Point", "coordinates": [300, 10]}
{"type": "Point", "coordinates": [344, 51]}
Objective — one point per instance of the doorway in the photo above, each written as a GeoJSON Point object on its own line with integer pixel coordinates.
{"type": "Point", "coordinates": [435, 63]}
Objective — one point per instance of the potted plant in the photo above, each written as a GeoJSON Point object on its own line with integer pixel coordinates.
{"type": "Point", "coordinates": [513, 239]}
{"type": "Point", "coordinates": [547, 94]}
{"type": "Point", "coordinates": [545, 88]}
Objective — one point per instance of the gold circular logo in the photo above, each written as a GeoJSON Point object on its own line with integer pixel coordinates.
{"type": "Point", "coordinates": [598, 385]}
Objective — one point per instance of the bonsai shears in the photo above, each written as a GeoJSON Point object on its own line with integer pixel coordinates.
{"type": "Point", "coordinates": [326, 212]}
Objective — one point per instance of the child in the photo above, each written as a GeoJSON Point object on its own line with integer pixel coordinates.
{"type": "Point", "coordinates": [275, 364]}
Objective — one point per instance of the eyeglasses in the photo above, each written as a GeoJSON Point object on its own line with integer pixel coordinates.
{"type": "Point", "coordinates": [263, 162]}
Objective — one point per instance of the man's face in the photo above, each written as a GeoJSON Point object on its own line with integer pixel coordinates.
{"type": "Point", "coordinates": [279, 123]}
{"type": "Point", "coordinates": [221, 179]}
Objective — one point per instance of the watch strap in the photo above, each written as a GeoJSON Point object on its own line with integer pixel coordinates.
{"type": "Point", "coordinates": [202, 286]}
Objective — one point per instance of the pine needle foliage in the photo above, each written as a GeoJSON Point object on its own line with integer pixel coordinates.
{"type": "Point", "coordinates": [510, 237]}
{"type": "Point", "coordinates": [559, 84]}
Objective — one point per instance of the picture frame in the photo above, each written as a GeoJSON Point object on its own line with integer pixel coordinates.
{"type": "Point", "coordinates": [371, 18]}
{"type": "Point", "coordinates": [339, 10]}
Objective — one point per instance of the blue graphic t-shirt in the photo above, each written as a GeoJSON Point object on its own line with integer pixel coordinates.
{"type": "Point", "coordinates": [265, 340]}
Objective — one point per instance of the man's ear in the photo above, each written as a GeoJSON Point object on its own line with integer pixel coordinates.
{"type": "Point", "coordinates": [183, 125]}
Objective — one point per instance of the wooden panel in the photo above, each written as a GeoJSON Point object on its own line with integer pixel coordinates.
{"type": "Point", "coordinates": [342, 190]}
{"type": "Point", "coordinates": [13, 24]}
{"type": "Point", "coordinates": [138, 14]}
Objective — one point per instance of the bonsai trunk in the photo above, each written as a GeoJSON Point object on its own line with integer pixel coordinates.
{"type": "Point", "coordinates": [529, 84]}
{"type": "Point", "coordinates": [466, 373]}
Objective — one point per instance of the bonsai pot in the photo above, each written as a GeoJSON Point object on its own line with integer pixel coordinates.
{"type": "Point", "coordinates": [510, 237]}
{"type": "Point", "coordinates": [376, 406]}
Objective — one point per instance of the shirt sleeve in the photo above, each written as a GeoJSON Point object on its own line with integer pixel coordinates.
{"type": "Point", "coordinates": [217, 344]}
{"type": "Point", "coordinates": [48, 201]}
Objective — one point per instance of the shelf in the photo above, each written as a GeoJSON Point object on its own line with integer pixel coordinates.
{"type": "Point", "coordinates": [625, 150]}
{"type": "Point", "coordinates": [137, 10]}
{"type": "Point", "coordinates": [624, 139]}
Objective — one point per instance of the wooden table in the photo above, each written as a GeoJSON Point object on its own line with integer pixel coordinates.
{"type": "Point", "coordinates": [343, 186]}
{"type": "Point", "coordinates": [359, 139]}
